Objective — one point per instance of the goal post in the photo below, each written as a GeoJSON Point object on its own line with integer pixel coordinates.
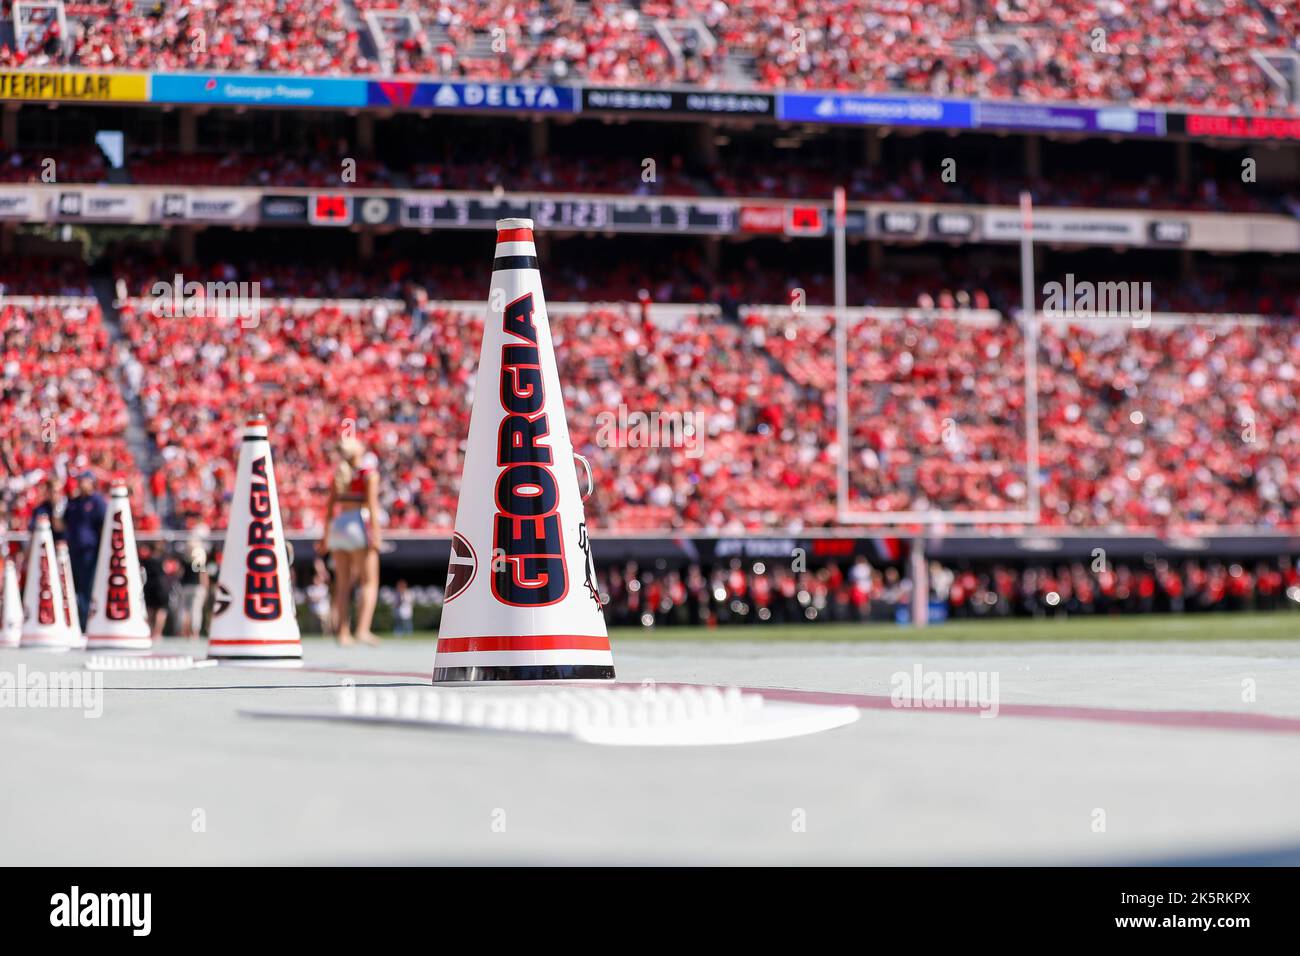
{"type": "Point", "coordinates": [1028, 321]}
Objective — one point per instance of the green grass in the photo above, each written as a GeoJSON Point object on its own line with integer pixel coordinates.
{"type": "Point", "coordinates": [1155, 627]}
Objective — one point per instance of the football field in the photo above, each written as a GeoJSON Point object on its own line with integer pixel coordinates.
{"type": "Point", "coordinates": [1160, 740]}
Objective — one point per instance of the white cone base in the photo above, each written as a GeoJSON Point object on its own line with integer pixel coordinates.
{"type": "Point", "coordinates": [662, 717]}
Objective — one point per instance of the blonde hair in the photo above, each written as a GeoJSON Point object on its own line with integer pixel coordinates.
{"type": "Point", "coordinates": [350, 450]}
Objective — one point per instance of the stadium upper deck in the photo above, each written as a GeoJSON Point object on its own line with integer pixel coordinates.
{"type": "Point", "coordinates": [1202, 53]}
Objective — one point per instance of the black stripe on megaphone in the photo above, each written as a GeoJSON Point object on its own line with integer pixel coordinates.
{"type": "Point", "coordinates": [528, 672]}
{"type": "Point", "coordinates": [514, 262]}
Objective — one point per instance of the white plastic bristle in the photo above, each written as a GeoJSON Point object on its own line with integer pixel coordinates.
{"type": "Point", "coordinates": [661, 716]}
{"type": "Point", "coordinates": [410, 706]}
{"type": "Point", "coordinates": [453, 706]}
{"type": "Point", "coordinates": [367, 703]}
{"type": "Point", "coordinates": [431, 707]}
{"type": "Point", "coordinates": [112, 662]}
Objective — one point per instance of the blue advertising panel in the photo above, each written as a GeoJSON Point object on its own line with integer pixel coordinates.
{"type": "Point", "coordinates": [257, 90]}
{"type": "Point", "coordinates": [1078, 119]}
{"type": "Point", "coordinates": [855, 109]}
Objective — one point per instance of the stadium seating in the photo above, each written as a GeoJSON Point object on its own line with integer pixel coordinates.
{"type": "Point", "coordinates": [1194, 52]}
{"type": "Point", "coordinates": [935, 407]}
{"type": "Point", "coordinates": [61, 410]}
{"type": "Point", "coordinates": [318, 372]}
{"type": "Point", "coordinates": [737, 177]}
{"type": "Point", "coordinates": [43, 276]}
{"type": "Point", "coordinates": [70, 166]}
{"type": "Point", "coordinates": [163, 167]}
{"type": "Point", "coordinates": [936, 400]}
{"type": "Point", "coordinates": [756, 460]}
{"type": "Point", "coordinates": [201, 378]}
{"type": "Point", "coordinates": [291, 36]}
{"type": "Point", "coordinates": [734, 175]}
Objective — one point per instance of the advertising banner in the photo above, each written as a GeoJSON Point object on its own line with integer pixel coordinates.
{"type": "Point", "coordinates": [1075, 119]}
{"type": "Point", "coordinates": [677, 101]}
{"type": "Point", "coordinates": [521, 97]}
{"type": "Point", "coordinates": [74, 87]}
{"type": "Point", "coordinates": [256, 90]}
{"type": "Point", "coordinates": [854, 109]}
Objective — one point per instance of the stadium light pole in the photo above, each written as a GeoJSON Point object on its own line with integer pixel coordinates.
{"type": "Point", "coordinates": [841, 353]}
{"type": "Point", "coordinates": [1029, 312]}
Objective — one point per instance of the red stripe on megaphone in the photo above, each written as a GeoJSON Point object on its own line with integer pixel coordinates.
{"type": "Point", "coordinates": [220, 641]}
{"type": "Point", "coordinates": [514, 235]}
{"type": "Point", "coordinates": [527, 642]}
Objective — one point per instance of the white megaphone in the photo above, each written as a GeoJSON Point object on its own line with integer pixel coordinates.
{"type": "Point", "coordinates": [521, 600]}
{"type": "Point", "coordinates": [254, 619]}
{"type": "Point", "coordinates": [118, 619]}
{"type": "Point", "coordinates": [11, 605]}
{"type": "Point", "coordinates": [45, 621]}
{"type": "Point", "coordinates": [71, 613]}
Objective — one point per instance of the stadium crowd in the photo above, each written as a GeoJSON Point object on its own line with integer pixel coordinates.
{"type": "Point", "coordinates": [1170, 427]}
{"type": "Point", "coordinates": [1183, 425]}
{"type": "Point", "coordinates": [61, 411]}
{"type": "Point", "coordinates": [179, 593]}
{"type": "Point", "coordinates": [594, 273]}
{"type": "Point", "coordinates": [937, 414]}
{"type": "Point", "coordinates": [766, 592]}
{"type": "Point", "coordinates": [1195, 52]}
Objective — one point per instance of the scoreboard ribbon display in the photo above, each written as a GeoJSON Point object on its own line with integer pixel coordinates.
{"type": "Point", "coordinates": [615, 215]}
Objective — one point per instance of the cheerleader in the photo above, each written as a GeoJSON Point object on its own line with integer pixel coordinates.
{"type": "Point", "coordinates": [353, 539]}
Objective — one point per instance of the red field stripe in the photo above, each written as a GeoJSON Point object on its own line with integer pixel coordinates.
{"type": "Point", "coordinates": [515, 235]}
{"type": "Point", "coordinates": [1179, 719]}
{"type": "Point", "coordinates": [531, 642]}
{"type": "Point", "coordinates": [1182, 719]}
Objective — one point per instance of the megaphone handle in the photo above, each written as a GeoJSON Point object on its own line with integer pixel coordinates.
{"type": "Point", "coordinates": [591, 479]}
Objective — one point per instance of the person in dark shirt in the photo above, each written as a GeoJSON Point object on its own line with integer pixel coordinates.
{"type": "Point", "coordinates": [83, 520]}
{"type": "Point", "coordinates": [158, 585]}
{"type": "Point", "coordinates": [52, 507]}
